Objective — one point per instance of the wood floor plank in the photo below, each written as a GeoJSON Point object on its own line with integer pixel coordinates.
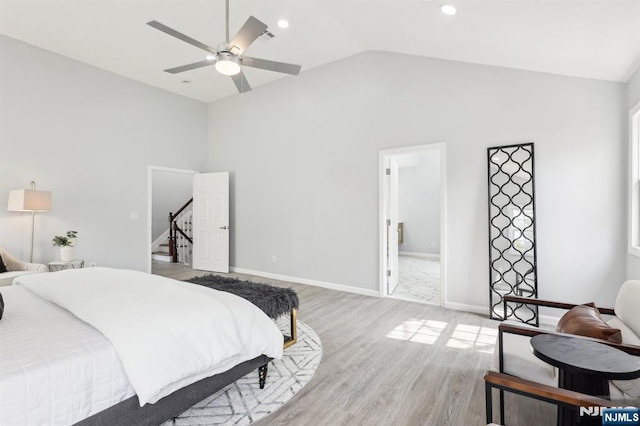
{"type": "Point", "coordinates": [368, 378]}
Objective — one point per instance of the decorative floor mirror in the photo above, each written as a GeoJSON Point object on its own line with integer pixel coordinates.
{"type": "Point", "coordinates": [512, 231]}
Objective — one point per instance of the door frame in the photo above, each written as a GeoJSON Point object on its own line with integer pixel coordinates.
{"type": "Point", "coordinates": [150, 170]}
{"type": "Point", "coordinates": [383, 157]}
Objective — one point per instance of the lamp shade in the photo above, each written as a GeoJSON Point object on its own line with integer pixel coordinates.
{"type": "Point", "coordinates": [29, 200]}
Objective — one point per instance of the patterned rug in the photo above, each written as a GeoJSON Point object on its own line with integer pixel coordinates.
{"type": "Point", "coordinates": [243, 402]}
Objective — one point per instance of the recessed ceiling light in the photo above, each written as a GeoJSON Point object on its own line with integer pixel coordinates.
{"type": "Point", "coordinates": [283, 23]}
{"type": "Point", "coordinates": [210, 57]}
{"type": "Point", "coordinates": [448, 9]}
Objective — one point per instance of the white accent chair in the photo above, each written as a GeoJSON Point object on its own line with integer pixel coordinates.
{"type": "Point", "coordinates": [513, 354]}
{"type": "Point", "coordinates": [16, 267]}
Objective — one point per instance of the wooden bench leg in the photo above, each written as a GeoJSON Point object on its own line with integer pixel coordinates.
{"type": "Point", "coordinates": [290, 340]}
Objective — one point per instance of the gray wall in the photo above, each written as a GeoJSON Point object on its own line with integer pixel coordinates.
{"type": "Point", "coordinates": [633, 89]}
{"type": "Point", "coordinates": [419, 204]}
{"type": "Point", "coordinates": [633, 97]}
{"type": "Point", "coordinates": [171, 191]}
{"type": "Point", "coordinates": [303, 153]}
{"type": "Point", "coordinates": [88, 136]}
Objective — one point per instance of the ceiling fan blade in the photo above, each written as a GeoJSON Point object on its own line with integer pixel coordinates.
{"type": "Point", "coordinates": [188, 67]}
{"type": "Point", "coordinates": [241, 82]}
{"type": "Point", "coordinates": [271, 65]}
{"type": "Point", "coordinates": [158, 26]}
{"type": "Point", "coordinates": [250, 31]}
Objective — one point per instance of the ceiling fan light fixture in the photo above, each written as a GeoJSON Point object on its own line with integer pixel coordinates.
{"type": "Point", "coordinates": [227, 64]}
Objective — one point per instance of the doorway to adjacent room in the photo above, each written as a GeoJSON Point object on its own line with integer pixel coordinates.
{"type": "Point", "coordinates": [188, 218]}
{"type": "Point", "coordinates": [412, 226]}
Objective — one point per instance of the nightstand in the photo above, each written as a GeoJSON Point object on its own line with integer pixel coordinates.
{"type": "Point", "coordinates": [59, 265]}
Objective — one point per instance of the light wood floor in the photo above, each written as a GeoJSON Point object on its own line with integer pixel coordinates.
{"type": "Point", "coordinates": [391, 362]}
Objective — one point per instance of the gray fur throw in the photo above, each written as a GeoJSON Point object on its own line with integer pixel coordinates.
{"type": "Point", "coordinates": [274, 301]}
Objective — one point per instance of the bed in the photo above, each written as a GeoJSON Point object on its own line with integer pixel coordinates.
{"type": "Point", "coordinates": [105, 346]}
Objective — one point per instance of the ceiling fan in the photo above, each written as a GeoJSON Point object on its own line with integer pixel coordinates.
{"type": "Point", "coordinates": [228, 56]}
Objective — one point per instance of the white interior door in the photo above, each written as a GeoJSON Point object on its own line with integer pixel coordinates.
{"type": "Point", "coordinates": [392, 228]}
{"type": "Point", "coordinates": [211, 222]}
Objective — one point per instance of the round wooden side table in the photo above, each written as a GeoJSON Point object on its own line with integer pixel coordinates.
{"type": "Point", "coordinates": [584, 366]}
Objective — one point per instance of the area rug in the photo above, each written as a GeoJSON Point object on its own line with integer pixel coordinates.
{"type": "Point", "coordinates": [243, 402]}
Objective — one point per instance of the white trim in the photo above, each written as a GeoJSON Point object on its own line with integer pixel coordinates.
{"type": "Point", "coordinates": [466, 308]}
{"type": "Point", "coordinates": [323, 284]}
{"type": "Point", "coordinates": [414, 254]}
{"type": "Point", "coordinates": [544, 319]}
{"type": "Point", "coordinates": [412, 300]}
{"type": "Point", "coordinates": [634, 181]}
{"type": "Point", "coordinates": [482, 310]}
{"type": "Point", "coordinates": [150, 170]}
{"type": "Point", "coordinates": [443, 224]}
{"type": "Point", "coordinates": [382, 235]}
{"type": "Point", "coordinates": [155, 245]}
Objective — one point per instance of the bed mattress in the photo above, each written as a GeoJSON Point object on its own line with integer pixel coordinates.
{"type": "Point", "coordinates": [54, 369]}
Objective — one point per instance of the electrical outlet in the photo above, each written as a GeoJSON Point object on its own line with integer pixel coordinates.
{"type": "Point", "coordinates": [273, 258]}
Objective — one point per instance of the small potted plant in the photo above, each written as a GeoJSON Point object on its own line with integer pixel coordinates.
{"type": "Point", "coordinates": [66, 244]}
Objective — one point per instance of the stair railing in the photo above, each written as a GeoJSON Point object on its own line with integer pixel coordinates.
{"type": "Point", "coordinates": [181, 234]}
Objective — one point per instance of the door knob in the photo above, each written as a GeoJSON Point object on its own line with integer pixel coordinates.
{"type": "Point", "coordinates": [224, 227]}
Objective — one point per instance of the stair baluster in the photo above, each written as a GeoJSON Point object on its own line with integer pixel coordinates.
{"type": "Point", "coordinates": [181, 234]}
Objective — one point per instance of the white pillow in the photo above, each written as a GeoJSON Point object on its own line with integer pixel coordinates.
{"type": "Point", "coordinates": [629, 387]}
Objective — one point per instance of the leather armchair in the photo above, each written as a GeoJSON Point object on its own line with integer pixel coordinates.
{"type": "Point", "coordinates": [16, 267]}
{"type": "Point", "coordinates": [513, 353]}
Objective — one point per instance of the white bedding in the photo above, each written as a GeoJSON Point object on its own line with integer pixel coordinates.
{"type": "Point", "coordinates": [167, 333]}
{"type": "Point", "coordinates": [54, 369]}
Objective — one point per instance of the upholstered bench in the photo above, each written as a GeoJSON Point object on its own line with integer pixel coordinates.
{"type": "Point", "coordinates": [273, 301]}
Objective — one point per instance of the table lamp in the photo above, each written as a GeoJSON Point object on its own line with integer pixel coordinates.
{"type": "Point", "coordinates": [30, 200]}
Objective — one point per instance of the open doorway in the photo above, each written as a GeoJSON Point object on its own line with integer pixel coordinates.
{"type": "Point", "coordinates": [169, 191]}
{"type": "Point", "coordinates": [188, 218]}
{"type": "Point", "coordinates": [412, 225]}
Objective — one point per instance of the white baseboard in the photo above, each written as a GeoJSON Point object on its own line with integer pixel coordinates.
{"type": "Point", "coordinates": [467, 308]}
{"type": "Point", "coordinates": [483, 310]}
{"type": "Point", "coordinates": [425, 255]}
{"type": "Point", "coordinates": [323, 284]}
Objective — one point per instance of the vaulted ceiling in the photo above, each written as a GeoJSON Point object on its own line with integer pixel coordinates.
{"type": "Point", "coordinates": [586, 38]}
